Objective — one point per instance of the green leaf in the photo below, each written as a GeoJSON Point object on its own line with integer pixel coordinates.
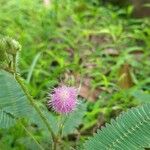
{"type": "Point", "coordinates": [74, 119]}
{"type": "Point", "coordinates": [52, 119]}
{"type": "Point", "coordinates": [30, 145]}
{"type": "Point", "coordinates": [130, 131]}
{"type": "Point", "coordinates": [70, 122]}
{"type": "Point", "coordinates": [6, 119]}
{"type": "Point", "coordinates": [13, 102]}
{"type": "Point", "coordinates": [141, 96]}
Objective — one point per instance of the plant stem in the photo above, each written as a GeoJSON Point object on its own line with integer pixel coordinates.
{"type": "Point", "coordinates": [55, 145]}
{"type": "Point", "coordinates": [14, 64]}
{"type": "Point", "coordinates": [17, 119]}
{"type": "Point", "coordinates": [59, 136]}
{"type": "Point", "coordinates": [44, 119]}
{"type": "Point", "coordinates": [62, 122]}
{"type": "Point", "coordinates": [31, 136]}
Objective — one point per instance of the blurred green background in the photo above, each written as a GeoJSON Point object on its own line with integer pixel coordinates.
{"type": "Point", "coordinates": [104, 46]}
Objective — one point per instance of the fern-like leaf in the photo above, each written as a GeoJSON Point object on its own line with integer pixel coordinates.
{"type": "Point", "coordinates": [13, 102]}
{"type": "Point", "coordinates": [74, 119]}
{"type": "Point", "coordinates": [6, 119]}
{"type": "Point", "coordinates": [130, 131]}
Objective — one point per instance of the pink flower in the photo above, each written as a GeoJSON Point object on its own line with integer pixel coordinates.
{"type": "Point", "coordinates": [64, 99]}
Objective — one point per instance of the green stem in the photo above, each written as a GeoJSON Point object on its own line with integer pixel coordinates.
{"type": "Point", "coordinates": [31, 136]}
{"type": "Point", "coordinates": [12, 116]}
{"type": "Point", "coordinates": [62, 122]}
{"type": "Point", "coordinates": [59, 136]}
{"type": "Point", "coordinates": [14, 64]}
{"type": "Point", "coordinates": [55, 145]}
{"type": "Point", "coordinates": [44, 119]}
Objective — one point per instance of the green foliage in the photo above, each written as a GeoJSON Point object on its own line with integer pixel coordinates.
{"type": "Point", "coordinates": [129, 131]}
{"type": "Point", "coordinates": [141, 96]}
{"type": "Point", "coordinates": [73, 120]}
{"type": "Point", "coordinates": [70, 39]}
{"type": "Point", "coordinates": [9, 45]}
{"type": "Point", "coordinates": [69, 122]}
{"type": "Point", "coordinates": [13, 103]}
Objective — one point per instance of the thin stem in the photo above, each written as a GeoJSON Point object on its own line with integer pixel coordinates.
{"type": "Point", "coordinates": [55, 145]}
{"type": "Point", "coordinates": [62, 122]}
{"type": "Point", "coordinates": [12, 116]}
{"type": "Point", "coordinates": [31, 136]}
{"type": "Point", "coordinates": [44, 119]}
{"type": "Point", "coordinates": [14, 64]}
{"type": "Point", "coordinates": [58, 138]}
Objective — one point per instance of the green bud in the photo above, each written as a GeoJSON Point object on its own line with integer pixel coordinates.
{"type": "Point", "coordinates": [8, 52]}
{"type": "Point", "coordinates": [12, 46]}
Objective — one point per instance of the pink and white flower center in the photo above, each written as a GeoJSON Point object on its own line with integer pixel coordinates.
{"type": "Point", "coordinates": [64, 95]}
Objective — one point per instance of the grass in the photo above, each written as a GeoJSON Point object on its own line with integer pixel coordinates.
{"type": "Point", "coordinates": [102, 47]}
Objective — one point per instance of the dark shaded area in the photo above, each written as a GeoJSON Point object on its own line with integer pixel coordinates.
{"type": "Point", "coordinates": [141, 8]}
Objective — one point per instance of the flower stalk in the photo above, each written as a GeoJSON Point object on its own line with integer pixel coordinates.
{"type": "Point", "coordinates": [10, 48]}
{"type": "Point", "coordinates": [19, 79]}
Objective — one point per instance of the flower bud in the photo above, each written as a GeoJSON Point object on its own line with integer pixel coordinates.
{"type": "Point", "coordinates": [12, 46]}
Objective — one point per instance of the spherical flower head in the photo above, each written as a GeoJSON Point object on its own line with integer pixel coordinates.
{"type": "Point", "coordinates": [64, 99]}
